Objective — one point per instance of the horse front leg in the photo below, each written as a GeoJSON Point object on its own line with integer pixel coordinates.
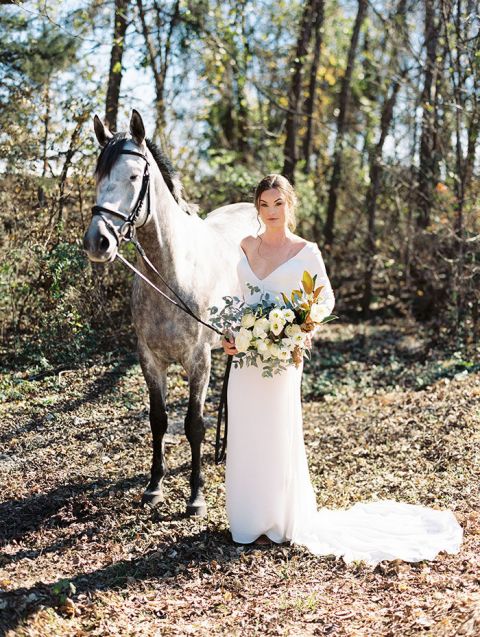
{"type": "Point", "coordinates": [198, 377]}
{"type": "Point", "coordinates": [155, 373]}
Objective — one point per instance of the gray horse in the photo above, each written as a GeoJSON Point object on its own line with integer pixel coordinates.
{"type": "Point", "coordinates": [197, 257]}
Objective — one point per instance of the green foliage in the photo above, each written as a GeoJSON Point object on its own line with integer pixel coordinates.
{"type": "Point", "coordinates": [230, 181]}
{"type": "Point", "coordinates": [227, 92]}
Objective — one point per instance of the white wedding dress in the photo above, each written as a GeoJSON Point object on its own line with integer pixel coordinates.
{"type": "Point", "coordinates": [268, 487]}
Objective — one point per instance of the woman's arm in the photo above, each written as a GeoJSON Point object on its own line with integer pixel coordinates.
{"type": "Point", "coordinates": [318, 268]}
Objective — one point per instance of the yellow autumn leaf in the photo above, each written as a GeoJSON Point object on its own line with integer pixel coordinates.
{"type": "Point", "coordinates": [307, 282]}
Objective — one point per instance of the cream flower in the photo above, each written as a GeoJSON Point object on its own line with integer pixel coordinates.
{"type": "Point", "coordinates": [261, 327]}
{"type": "Point", "coordinates": [275, 314]}
{"type": "Point", "coordinates": [318, 312]}
{"type": "Point", "coordinates": [292, 329]}
{"type": "Point", "coordinates": [288, 315]}
{"type": "Point", "coordinates": [288, 343]}
{"type": "Point", "coordinates": [274, 350]}
{"type": "Point", "coordinates": [299, 338]}
{"type": "Point", "coordinates": [248, 320]}
{"type": "Point", "coordinates": [243, 339]}
{"type": "Point", "coordinates": [277, 326]}
{"type": "Point", "coordinates": [262, 346]}
{"type": "Point", "coordinates": [284, 354]}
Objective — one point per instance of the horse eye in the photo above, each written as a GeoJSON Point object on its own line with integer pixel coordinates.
{"type": "Point", "coordinates": [133, 177]}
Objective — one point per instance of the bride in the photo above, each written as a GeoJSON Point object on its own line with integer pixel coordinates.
{"type": "Point", "coordinates": [269, 495]}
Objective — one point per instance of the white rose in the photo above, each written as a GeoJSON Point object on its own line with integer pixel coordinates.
{"type": "Point", "coordinates": [262, 346]}
{"type": "Point", "coordinates": [292, 329]}
{"type": "Point", "coordinates": [288, 343]}
{"type": "Point", "coordinates": [261, 327]}
{"type": "Point", "coordinates": [243, 339]}
{"type": "Point", "coordinates": [318, 312]}
{"type": "Point", "coordinates": [277, 326]}
{"type": "Point", "coordinates": [248, 320]}
{"type": "Point", "coordinates": [284, 355]}
{"type": "Point", "coordinates": [288, 315]}
{"type": "Point", "coordinates": [266, 355]}
{"type": "Point", "coordinates": [274, 350]}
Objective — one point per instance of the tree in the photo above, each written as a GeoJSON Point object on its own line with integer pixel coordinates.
{"type": "Point", "coordinates": [429, 158]}
{"type": "Point", "coordinates": [312, 87]}
{"type": "Point", "coordinates": [343, 103]}
{"type": "Point", "coordinates": [158, 43]}
{"type": "Point", "coordinates": [116, 69]}
{"type": "Point", "coordinates": [375, 160]}
{"type": "Point", "coordinates": [294, 94]}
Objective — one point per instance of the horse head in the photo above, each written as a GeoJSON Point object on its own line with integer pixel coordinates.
{"type": "Point", "coordinates": [122, 188]}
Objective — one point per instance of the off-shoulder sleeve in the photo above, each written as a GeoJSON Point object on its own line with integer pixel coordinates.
{"type": "Point", "coordinates": [318, 268]}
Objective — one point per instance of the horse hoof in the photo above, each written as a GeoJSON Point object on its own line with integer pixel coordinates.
{"type": "Point", "coordinates": [197, 508]}
{"type": "Point", "coordinates": [151, 498]}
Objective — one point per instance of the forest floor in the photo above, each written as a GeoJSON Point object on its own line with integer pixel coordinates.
{"type": "Point", "coordinates": [385, 416]}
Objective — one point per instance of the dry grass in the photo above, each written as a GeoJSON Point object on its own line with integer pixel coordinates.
{"type": "Point", "coordinates": [383, 417]}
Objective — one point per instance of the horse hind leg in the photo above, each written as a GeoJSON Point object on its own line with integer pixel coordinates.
{"type": "Point", "coordinates": [155, 374]}
{"type": "Point", "coordinates": [198, 376]}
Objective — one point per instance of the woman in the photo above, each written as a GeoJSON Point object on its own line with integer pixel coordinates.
{"type": "Point", "coordinates": [269, 495]}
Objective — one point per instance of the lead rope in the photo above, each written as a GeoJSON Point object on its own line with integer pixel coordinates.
{"type": "Point", "coordinates": [220, 448]}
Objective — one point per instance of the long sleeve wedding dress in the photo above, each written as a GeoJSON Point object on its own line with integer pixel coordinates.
{"type": "Point", "coordinates": [268, 487]}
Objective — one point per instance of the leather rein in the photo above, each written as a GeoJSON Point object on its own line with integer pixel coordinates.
{"type": "Point", "coordinates": [127, 232]}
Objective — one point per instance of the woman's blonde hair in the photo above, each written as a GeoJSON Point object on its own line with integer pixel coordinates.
{"type": "Point", "coordinates": [282, 184]}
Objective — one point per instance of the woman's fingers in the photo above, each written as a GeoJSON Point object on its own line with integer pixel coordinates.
{"type": "Point", "coordinates": [229, 348]}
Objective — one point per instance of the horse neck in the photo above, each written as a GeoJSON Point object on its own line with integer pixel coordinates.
{"type": "Point", "coordinates": [166, 235]}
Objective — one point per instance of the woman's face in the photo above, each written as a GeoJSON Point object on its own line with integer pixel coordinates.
{"type": "Point", "coordinates": [273, 208]}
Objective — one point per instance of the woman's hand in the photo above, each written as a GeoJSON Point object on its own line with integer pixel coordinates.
{"type": "Point", "coordinates": [229, 346]}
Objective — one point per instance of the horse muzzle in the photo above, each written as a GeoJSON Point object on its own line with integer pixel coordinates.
{"type": "Point", "coordinates": [99, 243]}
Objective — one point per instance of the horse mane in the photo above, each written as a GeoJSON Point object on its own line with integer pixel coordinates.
{"type": "Point", "coordinates": [111, 152]}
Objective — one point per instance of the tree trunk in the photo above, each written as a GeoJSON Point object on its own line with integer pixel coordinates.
{"type": "Point", "coordinates": [328, 229]}
{"type": "Point", "coordinates": [116, 70]}
{"type": "Point", "coordinates": [46, 128]}
{"type": "Point", "coordinates": [159, 62]}
{"type": "Point", "coordinates": [375, 162]}
{"type": "Point", "coordinates": [373, 192]}
{"type": "Point", "coordinates": [303, 41]}
{"type": "Point", "coordinates": [427, 168]}
{"type": "Point", "coordinates": [240, 75]}
{"type": "Point", "coordinates": [312, 88]}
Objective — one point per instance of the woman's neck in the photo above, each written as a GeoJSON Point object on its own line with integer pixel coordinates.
{"type": "Point", "coordinates": [276, 236]}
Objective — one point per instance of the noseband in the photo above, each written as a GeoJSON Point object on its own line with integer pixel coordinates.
{"type": "Point", "coordinates": [126, 230]}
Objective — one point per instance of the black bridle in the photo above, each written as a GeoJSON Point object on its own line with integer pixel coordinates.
{"type": "Point", "coordinates": [127, 233]}
{"type": "Point", "coordinates": [126, 230]}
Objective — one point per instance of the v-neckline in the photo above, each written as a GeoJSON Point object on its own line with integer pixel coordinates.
{"type": "Point", "coordinates": [278, 266]}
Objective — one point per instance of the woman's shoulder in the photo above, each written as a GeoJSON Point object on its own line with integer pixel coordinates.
{"type": "Point", "coordinates": [249, 239]}
{"type": "Point", "coordinates": [305, 243]}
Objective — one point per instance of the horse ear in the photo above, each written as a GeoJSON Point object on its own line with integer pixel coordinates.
{"type": "Point", "coordinates": [101, 131]}
{"type": "Point", "coordinates": [137, 129]}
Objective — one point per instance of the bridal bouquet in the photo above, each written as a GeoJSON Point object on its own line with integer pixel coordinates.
{"type": "Point", "coordinates": [272, 332]}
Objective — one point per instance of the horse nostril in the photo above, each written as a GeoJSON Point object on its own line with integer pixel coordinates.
{"type": "Point", "coordinates": [103, 243]}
